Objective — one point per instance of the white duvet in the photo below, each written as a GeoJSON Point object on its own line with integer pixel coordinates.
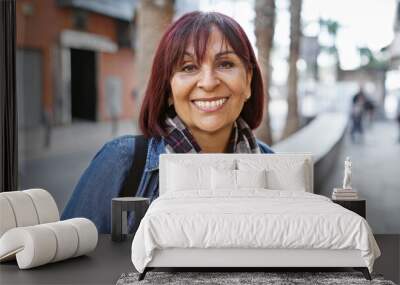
{"type": "Point", "coordinates": [251, 218]}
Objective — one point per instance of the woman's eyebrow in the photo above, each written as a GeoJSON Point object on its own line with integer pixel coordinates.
{"type": "Point", "coordinates": [222, 53]}
{"type": "Point", "coordinates": [217, 56]}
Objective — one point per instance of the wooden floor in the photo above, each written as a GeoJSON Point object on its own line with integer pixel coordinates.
{"type": "Point", "coordinates": [110, 259]}
{"type": "Point", "coordinates": [389, 262]}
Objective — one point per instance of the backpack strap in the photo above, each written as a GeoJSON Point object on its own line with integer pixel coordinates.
{"type": "Point", "coordinates": [132, 180]}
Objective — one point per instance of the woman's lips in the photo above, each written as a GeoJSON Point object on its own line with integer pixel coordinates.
{"type": "Point", "coordinates": [211, 105]}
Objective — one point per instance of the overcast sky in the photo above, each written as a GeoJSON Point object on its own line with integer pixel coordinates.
{"type": "Point", "coordinates": [364, 22]}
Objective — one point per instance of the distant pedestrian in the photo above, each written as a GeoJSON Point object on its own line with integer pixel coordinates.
{"type": "Point", "coordinates": [114, 102]}
{"type": "Point", "coordinates": [357, 111]}
{"type": "Point", "coordinates": [47, 119]}
{"type": "Point", "coordinates": [369, 108]}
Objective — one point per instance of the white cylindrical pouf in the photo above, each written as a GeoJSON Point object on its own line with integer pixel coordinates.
{"type": "Point", "coordinates": [34, 245]}
{"type": "Point", "coordinates": [40, 244]}
{"type": "Point", "coordinates": [67, 239]}
{"type": "Point", "coordinates": [23, 208]}
{"type": "Point", "coordinates": [45, 205]}
{"type": "Point", "coordinates": [7, 218]}
{"type": "Point", "coordinates": [87, 234]}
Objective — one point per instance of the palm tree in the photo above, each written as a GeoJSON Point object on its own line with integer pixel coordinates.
{"type": "Point", "coordinates": [332, 27]}
{"type": "Point", "coordinates": [293, 120]}
{"type": "Point", "coordinates": [264, 31]}
{"type": "Point", "coordinates": [369, 60]}
{"type": "Point", "coordinates": [153, 16]}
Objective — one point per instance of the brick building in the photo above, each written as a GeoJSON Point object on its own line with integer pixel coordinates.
{"type": "Point", "coordinates": [75, 60]}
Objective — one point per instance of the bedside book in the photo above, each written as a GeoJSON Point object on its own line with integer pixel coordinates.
{"type": "Point", "coordinates": [334, 197]}
{"type": "Point", "coordinates": [344, 194]}
{"type": "Point", "coordinates": [341, 190]}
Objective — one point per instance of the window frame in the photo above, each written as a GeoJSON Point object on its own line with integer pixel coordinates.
{"type": "Point", "coordinates": [8, 99]}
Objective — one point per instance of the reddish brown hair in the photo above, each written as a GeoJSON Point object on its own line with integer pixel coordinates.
{"type": "Point", "coordinates": [170, 53]}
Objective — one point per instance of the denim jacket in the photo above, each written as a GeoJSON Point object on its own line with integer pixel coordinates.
{"type": "Point", "coordinates": [104, 177]}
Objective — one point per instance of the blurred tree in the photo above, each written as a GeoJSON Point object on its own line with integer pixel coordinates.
{"type": "Point", "coordinates": [332, 27]}
{"type": "Point", "coordinates": [366, 55]}
{"type": "Point", "coordinates": [153, 16]}
{"type": "Point", "coordinates": [369, 60]}
{"type": "Point", "coordinates": [292, 119]}
{"type": "Point", "coordinates": [264, 31]}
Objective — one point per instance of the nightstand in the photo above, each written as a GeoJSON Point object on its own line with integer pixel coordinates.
{"type": "Point", "coordinates": [119, 213]}
{"type": "Point", "coordinates": [358, 206]}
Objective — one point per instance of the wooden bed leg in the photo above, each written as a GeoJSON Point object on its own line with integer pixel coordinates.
{"type": "Point", "coordinates": [143, 274]}
{"type": "Point", "coordinates": [364, 271]}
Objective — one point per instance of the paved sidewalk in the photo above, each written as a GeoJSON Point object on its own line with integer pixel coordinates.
{"type": "Point", "coordinates": [375, 174]}
{"type": "Point", "coordinates": [70, 138]}
{"type": "Point", "coordinates": [58, 168]}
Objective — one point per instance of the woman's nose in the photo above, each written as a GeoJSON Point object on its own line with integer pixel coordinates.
{"type": "Point", "coordinates": [207, 81]}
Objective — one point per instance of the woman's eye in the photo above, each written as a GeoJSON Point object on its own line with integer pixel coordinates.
{"type": "Point", "coordinates": [189, 68]}
{"type": "Point", "coordinates": [226, 64]}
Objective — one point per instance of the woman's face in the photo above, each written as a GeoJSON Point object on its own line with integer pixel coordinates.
{"type": "Point", "coordinates": [209, 95]}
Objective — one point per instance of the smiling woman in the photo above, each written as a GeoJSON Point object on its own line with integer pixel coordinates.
{"type": "Point", "coordinates": [205, 95]}
{"type": "Point", "coordinates": [205, 75]}
{"type": "Point", "coordinates": [210, 95]}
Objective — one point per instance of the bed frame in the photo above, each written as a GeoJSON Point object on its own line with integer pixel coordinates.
{"type": "Point", "coordinates": [242, 259]}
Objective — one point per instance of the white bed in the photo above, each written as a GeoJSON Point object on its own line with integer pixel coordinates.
{"type": "Point", "coordinates": [202, 220]}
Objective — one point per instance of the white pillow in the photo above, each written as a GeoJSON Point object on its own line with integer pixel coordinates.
{"type": "Point", "coordinates": [181, 177]}
{"type": "Point", "coordinates": [282, 174]}
{"type": "Point", "coordinates": [293, 180]}
{"type": "Point", "coordinates": [251, 178]}
{"type": "Point", "coordinates": [235, 179]}
{"type": "Point", "coordinates": [223, 179]}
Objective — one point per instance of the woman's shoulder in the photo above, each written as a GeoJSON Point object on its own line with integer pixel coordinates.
{"type": "Point", "coordinates": [117, 148]}
{"type": "Point", "coordinates": [121, 143]}
{"type": "Point", "coordinates": [123, 148]}
{"type": "Point", "coordinates": [264, 147]}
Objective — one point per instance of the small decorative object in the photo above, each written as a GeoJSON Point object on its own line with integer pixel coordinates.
{"type": "Point", "coordinates": [347, 174]}
{"type": "Point", "coordinates": [346, 192]}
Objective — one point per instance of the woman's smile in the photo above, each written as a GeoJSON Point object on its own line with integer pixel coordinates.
{"type": "Point", "coordinates": [210, 105]}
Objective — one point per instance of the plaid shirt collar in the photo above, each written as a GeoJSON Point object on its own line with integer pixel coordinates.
{"type": "Point", "coordinates": [180, 140]}
{"type": "Point", "coordinates": [157, 147]}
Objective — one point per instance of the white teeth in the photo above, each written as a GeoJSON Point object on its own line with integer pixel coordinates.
{"type": "Point", "coordinates": [210, 104]}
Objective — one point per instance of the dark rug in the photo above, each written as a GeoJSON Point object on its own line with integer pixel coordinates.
{"type": "Point", "coordinates": [269, 278]}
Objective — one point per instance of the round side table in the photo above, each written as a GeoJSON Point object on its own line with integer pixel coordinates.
{"type": "Point", "coordinates": [119, 215]}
